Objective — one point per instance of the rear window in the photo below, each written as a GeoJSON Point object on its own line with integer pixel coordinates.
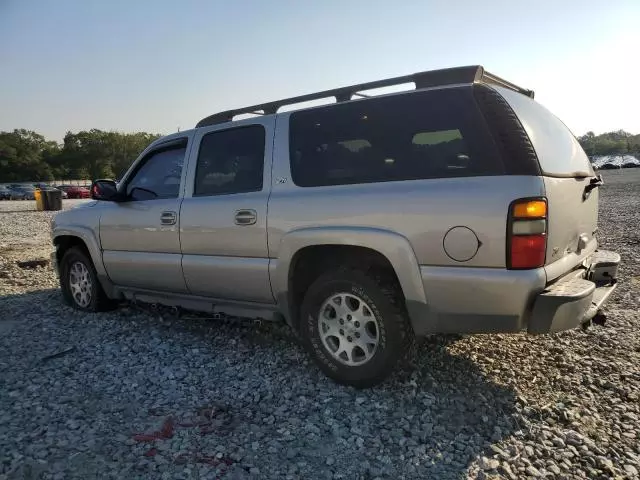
{"type": "Point", "coordinates": [420, 135]}
{"type": "Point", "coordinates": [558, 150]}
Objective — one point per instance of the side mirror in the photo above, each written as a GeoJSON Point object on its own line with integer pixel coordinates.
{"type": "Point", "coordinates": [105, 190]}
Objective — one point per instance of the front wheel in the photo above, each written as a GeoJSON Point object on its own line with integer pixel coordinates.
{"type": "Point", "coordinates": [79, 282]}
{"type": "Point", "coordinates": [355, 326]}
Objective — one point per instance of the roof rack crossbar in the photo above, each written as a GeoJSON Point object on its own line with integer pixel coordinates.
{"type": "Point", "coordinates": [433, 78]}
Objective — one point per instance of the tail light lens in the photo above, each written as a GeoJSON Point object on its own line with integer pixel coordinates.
{"type": "Point", "coordinates": [528, 251]}
{"type": "Point", "coordinates": [530, 209]}
{"type": "Point", "coordinates": [527, 234]}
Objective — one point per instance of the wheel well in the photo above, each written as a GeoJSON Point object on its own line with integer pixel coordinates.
{"type": "Point", "coordinates": [65, 242]}
{"type": "Point", "coordinates": [309, 263]}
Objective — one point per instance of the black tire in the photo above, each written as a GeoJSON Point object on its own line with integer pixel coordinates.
{"type": "Point", "coordinates": [98, 299]}
{"type": "Point", "coordinates": [395, 335]}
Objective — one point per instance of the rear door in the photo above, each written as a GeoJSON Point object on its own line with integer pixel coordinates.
{"type": "Point", "coordinates": [223, 218]}
{"type": "Point", "coordinates": [567, 174]}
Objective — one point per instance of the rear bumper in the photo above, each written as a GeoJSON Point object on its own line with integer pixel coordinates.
{"type": "Point", "coordinates": [483, 300]}
{"type": "Point", "coordinates": [576, 297]}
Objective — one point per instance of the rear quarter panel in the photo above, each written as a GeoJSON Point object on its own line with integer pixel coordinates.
{"type": "Point", "coordinates": [422, 211]}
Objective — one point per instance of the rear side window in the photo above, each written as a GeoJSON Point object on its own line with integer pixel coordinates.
{"type": "Point", "coordinates": [420, 135]}
{"type": "Point", "coordinates": [230, 161]}
{"type": "Point", "coordinates": [558, 150]}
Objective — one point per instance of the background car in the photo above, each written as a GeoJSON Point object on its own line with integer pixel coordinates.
{"type": "Point", "coordinates": [22, 191]}
{"type": "Point", "coordinates": [5, 193]}
{"type": "Point", "coordinates": [73, 191]}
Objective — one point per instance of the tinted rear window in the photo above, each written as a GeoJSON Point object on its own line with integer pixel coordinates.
{"type": "Point", "coordinates": [420, 135]}
{"type": "Point", "coordinates": [230, 161]}
{"type": "Point", "coordinates": [558, 150]}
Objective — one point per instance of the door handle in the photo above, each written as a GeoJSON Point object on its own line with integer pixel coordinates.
{"type": "Point", "coordinates": [246, 217]}
{"type": "Point", "coordinates": [168, 218]}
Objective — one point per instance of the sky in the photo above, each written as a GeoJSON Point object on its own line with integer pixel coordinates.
{"type": "Point", "coordinates": [159, 66]}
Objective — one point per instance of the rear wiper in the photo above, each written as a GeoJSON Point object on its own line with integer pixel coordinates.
{"type": "Point", "coordinates": [594, 183]}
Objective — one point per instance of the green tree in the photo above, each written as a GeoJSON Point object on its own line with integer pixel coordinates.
{"type": "Point", "coordinates": [21, 157]}
{"type": "Point", "coordinates": [618, 142]}
{"type": "Point", "coordinates": [27, 156]}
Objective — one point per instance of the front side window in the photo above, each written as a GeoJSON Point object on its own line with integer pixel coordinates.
{"type": "Point", "coordinates": [431, 134]}
{"type": "Point", "coordinates": [230, 161]}
{"type": "Point", "coordinates": [159, 176]}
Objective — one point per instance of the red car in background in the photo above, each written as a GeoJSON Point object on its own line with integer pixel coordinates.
{"type": "Point", "coordinates": [75, 192]}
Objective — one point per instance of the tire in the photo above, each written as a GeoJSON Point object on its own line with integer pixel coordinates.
{"type": "Point", "coordinates": [79, 282]}
{"type": "Point", "coordinates": [349, 289]}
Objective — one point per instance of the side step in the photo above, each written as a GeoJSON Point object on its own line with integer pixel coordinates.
{"type": "Point", "coordinates": [208, 305]}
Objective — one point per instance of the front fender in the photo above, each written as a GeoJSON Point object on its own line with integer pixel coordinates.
{"type": "Point", "coordinates": [87, 236]}
{"type": "Point", "coordinates": [395, 247]}
{"type": "Point", "coordinates": [93, 246]}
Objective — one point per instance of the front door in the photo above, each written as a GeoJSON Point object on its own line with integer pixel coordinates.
{"type": "Point", "coordinates": [223, 218]}
{"type": "Point", "coordinates": [140, 235]}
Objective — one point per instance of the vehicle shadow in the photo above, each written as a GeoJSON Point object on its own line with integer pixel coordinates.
{"type": "Point", "coordinates": [431, 419]}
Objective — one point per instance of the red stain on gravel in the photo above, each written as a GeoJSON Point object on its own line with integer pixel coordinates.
{"type": "Point", "coordinates": [167, 428]}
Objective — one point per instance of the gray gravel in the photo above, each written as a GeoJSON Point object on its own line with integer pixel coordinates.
{"type": "Point", "coordinates": [133, 395]}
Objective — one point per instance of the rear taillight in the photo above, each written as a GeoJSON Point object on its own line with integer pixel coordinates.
{"type": "Point", "coordinates": [527, 233]}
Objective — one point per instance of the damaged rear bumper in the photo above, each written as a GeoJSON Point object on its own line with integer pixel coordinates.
{"type": "Point", "coordinates": [577, 297]}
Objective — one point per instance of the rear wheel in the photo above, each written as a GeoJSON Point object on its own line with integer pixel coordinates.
{"type": "Point", "coordinates": [355, 326]}
{"type": "Point", "coordinates": [79, 282]}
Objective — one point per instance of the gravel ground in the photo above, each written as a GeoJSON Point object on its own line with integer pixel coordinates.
{"type": "Point", "coordinates": [133, 395]}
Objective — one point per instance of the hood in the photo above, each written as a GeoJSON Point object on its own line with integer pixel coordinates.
{"type": "Point", "coordinates": [92, 203]}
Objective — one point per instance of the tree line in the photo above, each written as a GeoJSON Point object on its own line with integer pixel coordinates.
{"type": "Point", "coordinates": [611, 143]}
{"type": "Point", "coordinates": [27, 156]}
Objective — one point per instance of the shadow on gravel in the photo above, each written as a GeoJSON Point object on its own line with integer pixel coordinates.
{"type": "Point", "coordinates": [272, 408]}
{"type": "Point", "coordinates": [459, 412]}
{"type": "Point", "coordinates": [11, 306]}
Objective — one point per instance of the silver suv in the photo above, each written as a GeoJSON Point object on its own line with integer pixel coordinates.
{"type": "Point", "coordinates": [459, 206]}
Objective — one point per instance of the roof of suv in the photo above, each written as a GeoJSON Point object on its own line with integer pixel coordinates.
{"type": "Point", "coordinates": [421, 80]}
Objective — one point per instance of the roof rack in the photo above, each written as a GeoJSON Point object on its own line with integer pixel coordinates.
{"type": "Point", "coordinates": [432, 78]}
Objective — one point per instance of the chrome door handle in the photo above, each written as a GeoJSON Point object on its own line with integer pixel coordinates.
{"type": "Point", "coordinates": [246, 217]}
{"type": "Point", "coordinates": [168, 218]}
